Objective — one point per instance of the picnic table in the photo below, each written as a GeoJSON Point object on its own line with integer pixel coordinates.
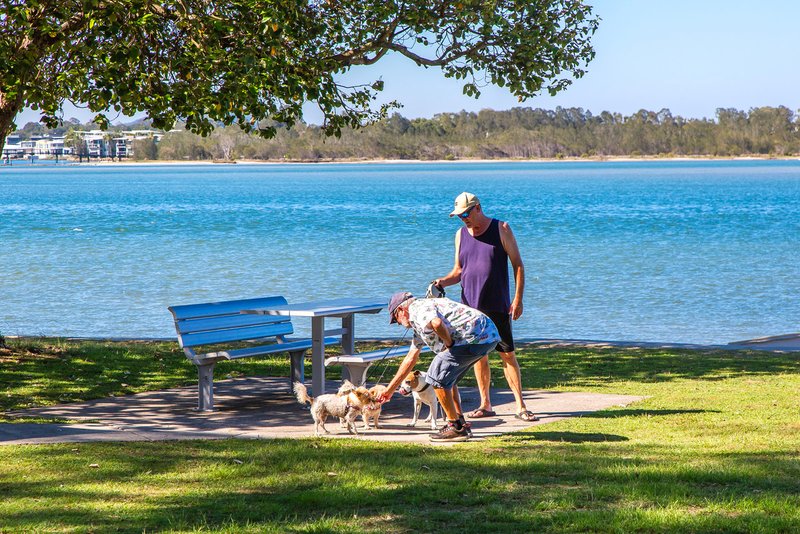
{"type": "Point", "coordinates": [318, 311]}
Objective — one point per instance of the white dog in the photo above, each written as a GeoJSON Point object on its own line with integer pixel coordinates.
{"type": "Point", "coordinates": [346, 406]}
{"type": "Point", "coordinates": [423, 393]}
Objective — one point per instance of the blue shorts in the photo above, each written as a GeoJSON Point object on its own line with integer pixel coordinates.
{"type": "Point", "coordinates": [449, 366]}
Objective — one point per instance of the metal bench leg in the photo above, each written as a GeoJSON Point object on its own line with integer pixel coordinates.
{"type": "Point", "coordinates": [356, 372]}
{"type": "Point", "coordinates": [296, 368]}
{"type": "Point", "coordinates": [205, 388]}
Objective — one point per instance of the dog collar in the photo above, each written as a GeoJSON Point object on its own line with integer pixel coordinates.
{"type": "Point", "coordinates": [424, 388]}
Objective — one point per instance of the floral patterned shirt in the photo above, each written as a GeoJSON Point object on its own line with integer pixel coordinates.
{"type": "Point", "coordinates": [467, 326]}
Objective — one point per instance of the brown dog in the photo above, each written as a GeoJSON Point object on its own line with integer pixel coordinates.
{"type": "Point", "coordinates": [370, 412]}
{"type": "Point", "coordinates": [373, 411]}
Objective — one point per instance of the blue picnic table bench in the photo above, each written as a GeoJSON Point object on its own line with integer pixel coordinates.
{"type": "Point", "coordinates": [211, 332]}
{"type": "Point", "coordinates": [217, 331]}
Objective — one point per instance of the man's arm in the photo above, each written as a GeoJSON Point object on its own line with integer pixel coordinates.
{"type": "Point", "coordinates": [454, 276]}
{"type": "Point", "coordinates": [441, 330]}
{"type": "Point", "coordinates": [406, 366]}
{"type": "Point", "coordinates": [511, 248]}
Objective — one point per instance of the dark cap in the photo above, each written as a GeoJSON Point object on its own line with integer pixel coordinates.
{"type": "Point", "coordinates": [396, 300]}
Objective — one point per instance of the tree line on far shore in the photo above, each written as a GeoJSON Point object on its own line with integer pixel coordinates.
{"type": "Point", "coordinates": [516, 133]}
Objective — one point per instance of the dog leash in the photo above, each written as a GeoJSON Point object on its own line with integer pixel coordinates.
{"type": "Point", "coordinates": [389, 350]}
{"type": "Point", "coordinates": [434, 291]}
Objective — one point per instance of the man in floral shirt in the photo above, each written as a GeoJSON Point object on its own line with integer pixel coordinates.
{"type": "Point", "coordinates": [458, 335]}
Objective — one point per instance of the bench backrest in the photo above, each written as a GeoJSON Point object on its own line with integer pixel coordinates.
{"type": "Point", "coordinates": [222, 322]}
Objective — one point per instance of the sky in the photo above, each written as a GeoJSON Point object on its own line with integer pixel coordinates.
{"type": "Point", "coordinates": [690, 56]}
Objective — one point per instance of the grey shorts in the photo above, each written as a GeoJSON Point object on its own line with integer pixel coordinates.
{"type": "Point", "coordinates": [449, 366]}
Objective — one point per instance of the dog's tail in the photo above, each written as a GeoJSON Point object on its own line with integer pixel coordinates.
{"type": "Point", "coordinates": [301, 392]}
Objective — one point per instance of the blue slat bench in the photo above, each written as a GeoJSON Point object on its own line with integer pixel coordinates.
{"type": "Point", "coordinates": [221, 325]}
{"type": "Point", "coordinates": [356, 366]}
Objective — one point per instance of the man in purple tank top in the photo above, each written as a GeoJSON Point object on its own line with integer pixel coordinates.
{"type": "Point", "coordinates": [484, 247]}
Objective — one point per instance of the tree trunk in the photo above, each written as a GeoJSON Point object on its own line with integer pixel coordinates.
{"type": "Point", "coordinates": [8, 111]}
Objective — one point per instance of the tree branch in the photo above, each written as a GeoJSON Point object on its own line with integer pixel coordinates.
{"type": "Point", "coordinates": [380, 45]}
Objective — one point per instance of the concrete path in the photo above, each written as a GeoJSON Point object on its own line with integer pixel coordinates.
{"type": "Point", "coordinates": [259, 408]}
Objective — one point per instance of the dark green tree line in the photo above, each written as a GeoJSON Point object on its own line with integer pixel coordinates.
{"type": "Point", "coordinates": [516, 133]}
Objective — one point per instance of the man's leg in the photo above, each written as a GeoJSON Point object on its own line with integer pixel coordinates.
{"type": "Point", "coordinates": [455, 429]}
{"type": "Point", "coordinates": [483, 377]}
{"type": "Point", "coordinates": [445, 397]}
{"type": "Point", "coordinates": [446, 369]}
{"type": "Point", "coordinates": [513, 377]}
{"type": "Point", "coordinates": [457, 401]}
{"type": "Point", "coordinates": [456, 396]}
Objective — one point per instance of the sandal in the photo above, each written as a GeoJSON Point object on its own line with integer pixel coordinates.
{"type": "Point", "coordinates": [526, 415]}
{"type": "Point", "coordinates": [480, 412]}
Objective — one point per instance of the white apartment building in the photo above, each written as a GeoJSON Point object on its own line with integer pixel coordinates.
{"type": "Point", "coordinates": [96, 144]}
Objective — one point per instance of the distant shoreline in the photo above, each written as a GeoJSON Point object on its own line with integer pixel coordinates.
{"type": "Point", "coordinates": [603, 159]}
{"type": "Point", "coordinates": [791, 342]}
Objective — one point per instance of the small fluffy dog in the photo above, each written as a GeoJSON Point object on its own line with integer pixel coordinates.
{"type": "Point", "coordinates": [373, 411]}
{"type": "Point", "coordinates": [370, 412]}
{"type": "Point", "coordinates": [423, 393]}
{"type": "Point", "coordinates": [346, 406]}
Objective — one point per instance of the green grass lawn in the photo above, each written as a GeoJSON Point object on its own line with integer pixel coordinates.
{"type": "Point", "coordinates": [715, 448]}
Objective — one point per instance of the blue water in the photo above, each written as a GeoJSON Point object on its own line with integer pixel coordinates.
{"type": "Point", "coordinates": [698, 252]}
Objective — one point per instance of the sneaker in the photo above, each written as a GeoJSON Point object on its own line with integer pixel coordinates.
{"type": "Point", "coordinates": [468, 428]}
{"type": "Point", "coordinates": [465, 425]}
{"type": "Point", "coordinates": [450, 433]}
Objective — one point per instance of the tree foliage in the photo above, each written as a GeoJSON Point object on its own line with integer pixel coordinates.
{"type": "Point", "coordinates": [255, 64]}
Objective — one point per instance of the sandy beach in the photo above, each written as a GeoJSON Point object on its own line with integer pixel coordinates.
{"type": "Point", "coordinates": [597, 159]}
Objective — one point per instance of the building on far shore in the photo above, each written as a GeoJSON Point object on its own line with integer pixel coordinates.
{"type": "Point", "coordinates": [83, 144]}
{"type": "Point", "coordinates": [37, 145]}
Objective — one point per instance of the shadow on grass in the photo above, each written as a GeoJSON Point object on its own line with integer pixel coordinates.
{"type": "Point", "coordinates": [548, 367]}
{"type": "Point", "coordinates": [634, 412]}
{"type": "Point", "coordinates": [310, 485]}
{"type": "Point", "coordinates": [42, 372]}
{"type": "Point", "coordinates": [570, 437]}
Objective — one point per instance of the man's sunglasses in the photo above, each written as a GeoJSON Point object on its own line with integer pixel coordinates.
{"type": "Point", "coordinates": [465, 214]}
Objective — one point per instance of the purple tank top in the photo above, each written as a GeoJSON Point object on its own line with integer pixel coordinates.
{"type": "Point", "coordinates": [484, 270]}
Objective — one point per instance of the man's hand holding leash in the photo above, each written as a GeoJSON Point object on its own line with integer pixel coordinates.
{"type": "Point", "coordinates": [385, 396]}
